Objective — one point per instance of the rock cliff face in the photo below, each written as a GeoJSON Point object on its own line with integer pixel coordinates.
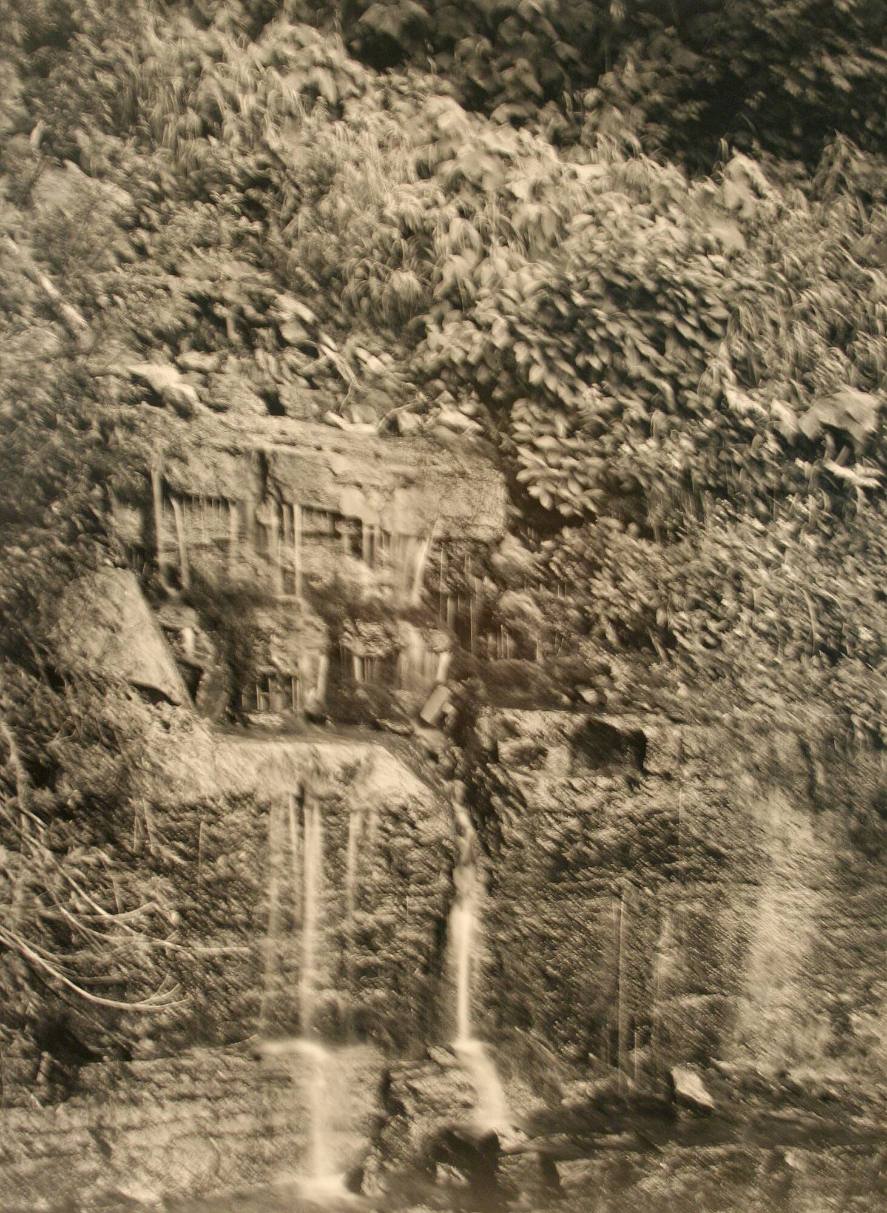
{"type": "Point", "coordinates": [304, 514]}
{"type": "Point", "coordinates": [655, 894]}
{"type": "Point", "coordinates": [201, 1122]}
{"type": "Point", "coordinates": [658, 909]}
{"type": "Point", "coordinates": [384, 888]}
{"type": "Point", "coordinates": [296, 502]}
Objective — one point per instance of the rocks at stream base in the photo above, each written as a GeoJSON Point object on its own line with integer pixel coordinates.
{"type": "Point", "coordinates": [429, 1132]}
{"type": "Point", "coordinates": [106, 627]}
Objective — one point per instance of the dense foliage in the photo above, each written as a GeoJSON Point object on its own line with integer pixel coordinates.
{"type": "Point", "coordinates": [455, 218]}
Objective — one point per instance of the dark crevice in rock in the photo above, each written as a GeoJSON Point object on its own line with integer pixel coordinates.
{"type": "Point", "coordinates": [600, 746]}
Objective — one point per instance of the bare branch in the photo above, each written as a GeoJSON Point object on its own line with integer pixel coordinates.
{"type": "Point", "coordinates": [20, 945]}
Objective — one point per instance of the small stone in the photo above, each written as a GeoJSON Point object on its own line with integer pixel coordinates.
{"type": "Point", "coordinates": [407, 423]}
{"type": "Point", "coordinates": [442, 1057]}
{"type": "Point", "coordinates": [690, 1090]}
{"type": "Point", "coordinates": [294, 333]}
{"type": "Point", "coordinates": [402, 727]}
{"type": "Point", "coordinates": [591, 696]}
{"type": "Point", "coordinates": [167, 383]}
{"type": "Point", "coordinates": [343, 423]}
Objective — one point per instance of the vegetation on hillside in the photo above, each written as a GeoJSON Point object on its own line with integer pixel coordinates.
{"type": "Point", "coordinates": [641, 258]}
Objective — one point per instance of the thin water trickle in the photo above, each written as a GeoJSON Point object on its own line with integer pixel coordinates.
{"type": "Point", "coordinates": [312, 880]}
{"type": "Point", "coordinates": [355, 830]}
{"type": "Point", "coordinates": [272, 937]}
{"type": "Point", "coordinates": [352, 858]}
{"type": "Point", "coordinates": [491, 1110]}
{"type": "Point", "coordinates": [295, 860]}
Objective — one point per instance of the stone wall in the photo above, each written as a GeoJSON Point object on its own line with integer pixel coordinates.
{"type": "Point", "coordinates": [295, 503]}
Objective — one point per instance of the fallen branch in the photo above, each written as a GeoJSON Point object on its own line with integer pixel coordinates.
{"type": "Point", "coordinates": [70, 317]}
{"type": "Point", "coordinates": [146, 942]}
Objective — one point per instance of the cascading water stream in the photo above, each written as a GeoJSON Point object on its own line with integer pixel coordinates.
{"type": "Point", "coordinates": [310, 1062]}
{"type": "Point", "coordinates": [491, 1110]}
{"type": "Point", "coordinates": [312, 883]}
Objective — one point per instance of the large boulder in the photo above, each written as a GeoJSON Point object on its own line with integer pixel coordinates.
{"type": "Point", "coordinates": [106, 626]}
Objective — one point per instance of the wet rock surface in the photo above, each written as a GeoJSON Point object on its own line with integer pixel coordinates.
{"type": "Point", "coordinates": [657, 970]}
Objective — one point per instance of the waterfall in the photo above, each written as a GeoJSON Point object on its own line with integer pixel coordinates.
{"type": "Point", "coordinates": [311, 1065]}
{"type": "Point", "coordinates": [418, 572]}
{"type": "Point", "coordinates": [491, 1110]}
{"type": "Point", "coordinates": [294, 858]}
{"type": "Point", "coordinates": [313, 890]}
{"type": "Point", "coordinates": [321, 1181]}
{"type": "Point", "coordinates": [274, 551]}
{"type": "Point", "coordinates": [352, 858]}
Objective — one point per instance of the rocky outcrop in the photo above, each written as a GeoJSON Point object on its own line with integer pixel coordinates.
{"type": "Point", "coordinates": [366, 530]}
{"type": "Point", "coordinates": [106, 627]}
{"type": "Point", "coordinates": [401, 487]}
